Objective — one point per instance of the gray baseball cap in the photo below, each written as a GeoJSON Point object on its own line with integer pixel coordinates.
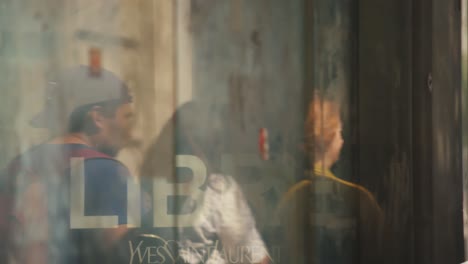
{"type": "Point", "coordinates": [75, 87]}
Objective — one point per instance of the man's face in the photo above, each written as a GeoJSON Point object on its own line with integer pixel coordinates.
{"type": "Point", "coordinates": [116, 130]}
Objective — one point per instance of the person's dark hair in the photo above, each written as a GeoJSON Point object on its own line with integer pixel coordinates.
{"type": "Point", "coordinates": [81, 122]}
{"type": "Point", "coordinates": [194, 129]}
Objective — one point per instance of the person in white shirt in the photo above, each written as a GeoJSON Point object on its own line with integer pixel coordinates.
{"type": "Point", "coordinates": [223, 230]}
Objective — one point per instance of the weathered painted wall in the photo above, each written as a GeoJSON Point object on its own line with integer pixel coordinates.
{"type": "Point", "coordinates": [248, 55]}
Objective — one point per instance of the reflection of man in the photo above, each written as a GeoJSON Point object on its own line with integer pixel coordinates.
{"type": "Point", "coordinates": [98, 116]}
{"type": "Point", "coordinates": [344, 219]}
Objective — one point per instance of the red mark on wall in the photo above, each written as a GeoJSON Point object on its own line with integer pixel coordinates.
{"type": "Point", "coordinates": [263, 144]}
{"type": "Point", "coordinates": [95, 61]}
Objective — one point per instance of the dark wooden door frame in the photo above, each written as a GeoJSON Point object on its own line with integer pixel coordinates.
{"type": "Point", "coordinates": [433, 39]}
{"type": "Point", "coordinates": [437, 134]}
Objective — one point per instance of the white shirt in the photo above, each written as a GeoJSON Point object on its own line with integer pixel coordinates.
{"type": "Point", "coordinates": [224, 230]}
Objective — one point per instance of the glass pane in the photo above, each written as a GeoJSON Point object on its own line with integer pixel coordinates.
{"type": "Point", "coordinates": [182, 132]}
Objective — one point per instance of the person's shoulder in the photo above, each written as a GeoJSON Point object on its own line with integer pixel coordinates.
{"type": "Point", "coordinates": [96, 162]}
{"type": "Point", "coordinates": [33, 156]}
{"type": "Point", "coordinates": [295, 193]}
{"type": "Point", "coordinates": [299, 186]}
{"type": "Point", "coordinates": [363, 191]}
{"type": "Point", "coordinates": [220, 183]}
{"type": "Point", "coordinates": [223, 183]}
{"type": "Point", "coordinates": [110, 165]}
{"type": "Point", "coordinates": [105, 173]}
{"type": "Point", "coordinates": [104, 162]}
{"type": "Point", "coordinates": [366, 198]}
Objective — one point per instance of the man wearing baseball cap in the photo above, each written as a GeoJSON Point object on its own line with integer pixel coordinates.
{"type": "Point", "coordinates": [90, 115]}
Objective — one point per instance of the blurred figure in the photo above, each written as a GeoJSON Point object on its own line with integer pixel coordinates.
{"type": "Point", "coordinates": [336, 221]}
{"type": "Point", "coordinates": [223, 229]}
{"type": "Point", "coordinates": [91, 116]}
